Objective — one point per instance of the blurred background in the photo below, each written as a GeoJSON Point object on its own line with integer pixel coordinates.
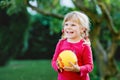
{"type": "Point", "coordinates": [30, 29]}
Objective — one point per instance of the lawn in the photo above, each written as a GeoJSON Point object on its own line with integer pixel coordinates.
{"type": "Point", "coordinates": [28, 70]}
{"type": "Point", "coordinates": [33, 70]}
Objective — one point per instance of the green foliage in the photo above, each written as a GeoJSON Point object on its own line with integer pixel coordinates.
{"type": "Point", "coordinates": [55, 26]}
{"type": "Point", "coordinates": [48, 6]}
{"type": "Point", "coordinates": [116, 20]}
{"type": "Point", "coordinates": [16, 6]}
{"type": "Point", "coordinates": [12, 29]}
{"type": "Point", "coordinates": [39, 19]}
{"type": "Point", "coordinates": [37, 37]}
{"type": "Point", "coordinates": [13, 6]}
{"type": "Point", "coordinates": [107, 1]}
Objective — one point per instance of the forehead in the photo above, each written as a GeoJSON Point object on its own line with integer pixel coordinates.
{"type": "Point", "coordinates": [72, 18]}
{"type": "Point", "coordinates": [71, 22]}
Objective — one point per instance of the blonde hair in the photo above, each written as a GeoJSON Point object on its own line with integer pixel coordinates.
{"type": "Point", "coordinates": [79, 18]}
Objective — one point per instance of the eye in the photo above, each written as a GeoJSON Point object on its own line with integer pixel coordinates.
{"type": "Point", "coordinates": [73, 25]}
{"type": "Point", "coordinates": [66, 24]}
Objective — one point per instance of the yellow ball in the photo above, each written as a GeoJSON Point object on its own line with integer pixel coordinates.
{"type": "Point", "coordinates": [65, 57]}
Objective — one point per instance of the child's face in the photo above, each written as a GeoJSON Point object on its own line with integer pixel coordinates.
{"type": "Point", "coordinates": [72, 30]}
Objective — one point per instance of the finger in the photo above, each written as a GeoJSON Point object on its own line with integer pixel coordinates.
{"type": "Point", "coordinates": [61, 70]}
{"type": "Point", "coordinates": [68, 68]}
{"type": "Point", "coordinates": [58, 65]}
{"type": "Point", "coordinates": [71, 64]}
{"type": "Point", "coordinates": [75, 63]}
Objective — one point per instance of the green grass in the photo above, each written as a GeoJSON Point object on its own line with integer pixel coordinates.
{"type": "Point", "coordinates": [34, 70]}
{"type": "Point", "coordinates": [28, 70]}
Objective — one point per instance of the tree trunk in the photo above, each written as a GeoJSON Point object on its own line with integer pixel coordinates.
{"type": "Point", "coordinates": [106, 66]}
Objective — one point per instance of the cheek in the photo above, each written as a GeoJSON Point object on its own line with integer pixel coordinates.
{"type": "Point", "coordinates": [64, 28]}
{"type": "Point", "coordinates": [78, 30]}
{"type": "Point", "coordinates": [79, 33]}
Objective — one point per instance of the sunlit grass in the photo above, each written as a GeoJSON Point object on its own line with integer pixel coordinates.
{"type": "Point", "coordinates": [28, 70]}
{"type": "Point", "coordinates": [34, 70]}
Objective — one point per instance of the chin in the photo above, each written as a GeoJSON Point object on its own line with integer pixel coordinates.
{"type": "Point", "coordinates": [69, 37]}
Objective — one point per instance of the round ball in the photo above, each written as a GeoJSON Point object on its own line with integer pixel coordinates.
{"type": "Point", "coordinates": [65, 57]}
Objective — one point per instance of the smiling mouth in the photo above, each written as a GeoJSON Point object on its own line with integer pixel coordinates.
{"type": "Point", "coordinates": [71, 32]}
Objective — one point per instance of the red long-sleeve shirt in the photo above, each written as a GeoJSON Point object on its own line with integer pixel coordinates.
{"type": "Point", "coordinates": [85, 61]}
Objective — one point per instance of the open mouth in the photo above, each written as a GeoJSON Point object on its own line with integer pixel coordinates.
{"type": "Point", "coordinates": [69, 32]}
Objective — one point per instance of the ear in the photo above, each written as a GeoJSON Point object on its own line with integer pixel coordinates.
{"type": "Point", "coordinates": [82, 29]}
{"type": "Point", "coordinates": [62, 30]}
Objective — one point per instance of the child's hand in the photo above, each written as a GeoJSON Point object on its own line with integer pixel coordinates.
{"type": "Point", "coordinates": [73, 68]}
{"type": "Point", "coordinates": [59, 68]}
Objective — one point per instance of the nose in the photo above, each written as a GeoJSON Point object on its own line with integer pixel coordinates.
{"type": "Point", "coordinates": [68, 26]}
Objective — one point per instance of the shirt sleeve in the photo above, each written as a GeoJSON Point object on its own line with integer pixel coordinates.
{"type": "Point", "coordinates": [87, 60]}
{"type": "Point", "coordinates": [53, 62]}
